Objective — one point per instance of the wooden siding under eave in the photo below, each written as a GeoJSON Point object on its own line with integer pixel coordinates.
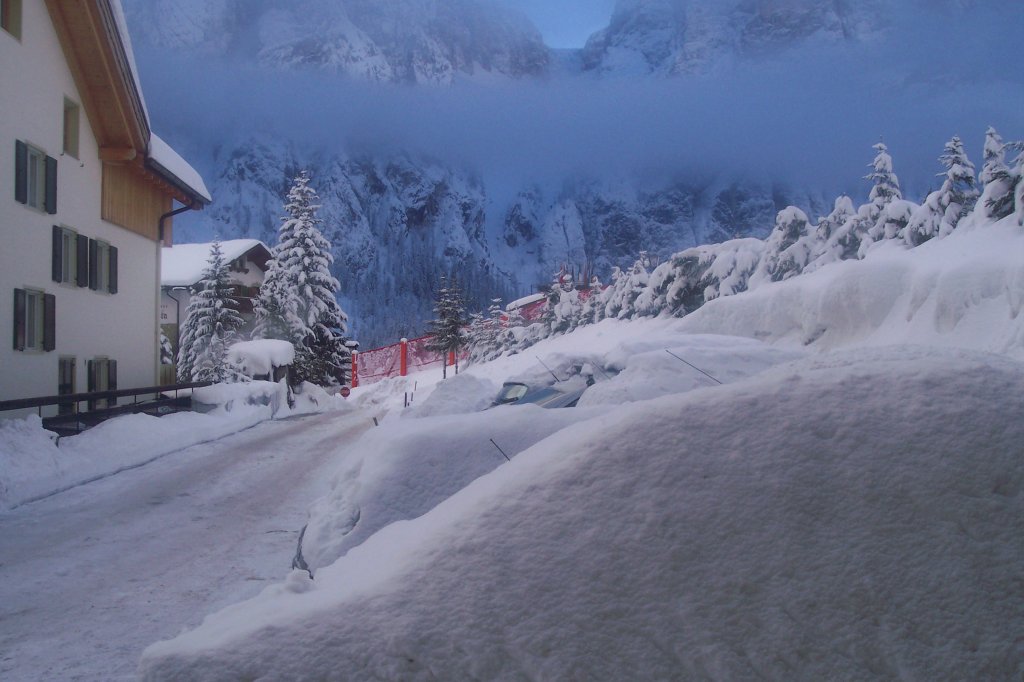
{"type": "Point", "coordinates": [133, 200]}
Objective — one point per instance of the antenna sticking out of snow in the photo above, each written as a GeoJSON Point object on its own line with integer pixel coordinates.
{"type": "Point", "coordinates": [694, 366]}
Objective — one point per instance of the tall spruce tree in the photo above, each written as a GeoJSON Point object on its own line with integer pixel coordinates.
{"type": "Point", "coordinates": [446, 330]}
{"type": "Point", "coordinates": [211, 325]}
{"type": "Point", "coordinates": [298, 299]}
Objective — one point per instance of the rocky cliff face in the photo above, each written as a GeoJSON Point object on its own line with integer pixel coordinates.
{"type": "Point", "coordinates": [398, 221]}
{"type": "Point", "coordinates": [396, 224]}
{"type": "Point", "coordinates": [398, 41]}
{"type": "Point", "coordinates": [671, 37]}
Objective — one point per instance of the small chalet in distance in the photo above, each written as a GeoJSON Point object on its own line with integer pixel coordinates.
{"type": "Point", "coordinates": [87, 197]}
{"type": "Point", "coordinates": [182, 268]}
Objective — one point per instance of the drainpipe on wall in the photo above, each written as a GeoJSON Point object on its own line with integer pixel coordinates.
{"type": "Point", "coordinates": [161, 242]}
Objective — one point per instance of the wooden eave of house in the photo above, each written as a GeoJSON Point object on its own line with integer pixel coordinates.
{"type": "Point", "coordinates": [92, 42]}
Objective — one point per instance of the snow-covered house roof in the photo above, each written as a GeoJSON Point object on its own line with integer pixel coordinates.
{"type": "Point", "coordinates": [163, 159]}
{"type": "Point", "coordinates": [182, 265]}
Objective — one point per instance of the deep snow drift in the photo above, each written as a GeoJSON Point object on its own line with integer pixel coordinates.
{"type": "Point", "coordinates": [851, 515]}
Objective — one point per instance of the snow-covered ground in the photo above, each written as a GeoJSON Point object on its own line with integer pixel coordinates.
{"type": "Point", "coordinates": [817, 479]}
{"type": "Point", "coordinates": [846, 505]}
{"type": "Point", "coordinates": [89, 577]}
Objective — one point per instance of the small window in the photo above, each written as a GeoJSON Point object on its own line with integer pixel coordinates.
{"type": "Point", "coordinates": [33, 320]}
{"type": "Point", "coordinates": [99, 265]}
{"type": "Point", "coordinates": [10, 17]}
{"type": "Point", "coordinates": [36, 178]}
{"type": "Point", "coordinates": [71, 116]}
{"type": "Point", "coordinates": [66, 384]}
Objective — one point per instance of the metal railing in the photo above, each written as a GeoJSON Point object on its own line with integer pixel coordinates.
{"type": "Point", "coordinates": [161, 396]}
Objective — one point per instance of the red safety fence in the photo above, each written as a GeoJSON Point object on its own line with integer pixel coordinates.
{"type": "Point", "coordinates": [397, 360]}
{"type": "Point", "coordinates": [406, 357]}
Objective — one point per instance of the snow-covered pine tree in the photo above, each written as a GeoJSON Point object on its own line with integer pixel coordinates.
{"type": "Point", "coordinates": [786, 251]}
{"type": "Point", "coordinates": [446, 330]}
{"type": "Point", "coordinates": [885, 189]}
{"type": "Point", "coordinates": [942, 211]}
{"type": "Point", "coordinates": [997, 196]}
{"type": "Point", "coordinates": [626, 286]}
{"type": "Point", "coordinates": [832, 237]}
{"type": "Point", "coordinates": [210, 326]}
{"type": "Point", "coordinates": [298, 301]}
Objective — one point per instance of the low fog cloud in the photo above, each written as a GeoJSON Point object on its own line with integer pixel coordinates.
{"type": "Point", "coordinates": [809, 116]}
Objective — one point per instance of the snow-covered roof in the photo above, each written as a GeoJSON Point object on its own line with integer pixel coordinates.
{"type": "Point", "coordinates": [525, 300]}
{"type": "Point", "coordinates": [165, 159]}
{"type": "Point", "coordinates": [182, 265]}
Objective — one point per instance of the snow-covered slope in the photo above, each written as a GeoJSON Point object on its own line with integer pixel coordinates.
{"type": "Point", "coordinates": [966, 290]}
{"type": "Point", "coordinates": [832, 518]}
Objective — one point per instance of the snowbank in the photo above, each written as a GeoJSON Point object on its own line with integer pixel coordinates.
{"type": "Point", "coordinates": [848, 516]}
{"type": "Point", "coordinates": [405, 469]}
{"type": "Point", "coordinates": [32, 465]}
{"type": "Point", "coordinates": [964, 291]}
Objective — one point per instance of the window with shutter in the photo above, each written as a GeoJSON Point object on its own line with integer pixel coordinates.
{"type": "Point", "coordinates": [31, 314]}
{"type": "Point", "coordinates": [102, 265]}
{"type": "Point", "coordinates": [99, 380]}
{"type": "Point", "coordinates": [66, 383]}
{"type": "Point", "coordinates": [65, 255]}
{"type": "Point", "coordinates": [35, 178]}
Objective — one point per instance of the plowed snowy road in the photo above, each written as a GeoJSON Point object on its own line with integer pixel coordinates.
{"type": "Point", "coordinates": [90, 577]}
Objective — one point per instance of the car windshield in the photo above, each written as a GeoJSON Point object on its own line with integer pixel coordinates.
{"type": "Point", "coordinates": [510, 393]}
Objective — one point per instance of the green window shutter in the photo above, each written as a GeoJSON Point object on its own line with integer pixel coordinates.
{"type": "Point", "coordinates": [51, 185]}
{"type": "Point", "coordinates": [56, 266]}
{"type": "Point", "coordinates": [21, 172]}
{"type": "Point", "coordinates": [19, 319]}
{"type": "Point", "coordinates": [49, 322]}
{"type": "Point", "coordinates": [94, 256]}
{"type": "Point", "coordinates": [112, 278]}
{"type": "Point", "coordinates": [90, 376]}
{"type": "Point", "coordinates": [112, 380]}
{"type": "Point", "coordinates": [82, 258]}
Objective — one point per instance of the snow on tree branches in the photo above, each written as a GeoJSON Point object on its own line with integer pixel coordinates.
{"type": "Point", "coordinates": [298, 299]}
{"type": "Point", "coordinates": [211, 325]}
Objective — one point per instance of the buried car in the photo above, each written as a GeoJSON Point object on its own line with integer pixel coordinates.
{"type": "Point", "coordinates": [518, 393]}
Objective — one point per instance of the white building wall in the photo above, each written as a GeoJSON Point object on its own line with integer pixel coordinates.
{"type": "Point", "coordinates": [34, 80]}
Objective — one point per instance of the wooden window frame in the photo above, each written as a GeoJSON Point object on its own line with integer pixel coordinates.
{"type": "Point", "coordinates": [103, 266]}
{"type": "Point", "coordinates": [34, 320]}
{"type": "Point", "coordinates": [67, 266]}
